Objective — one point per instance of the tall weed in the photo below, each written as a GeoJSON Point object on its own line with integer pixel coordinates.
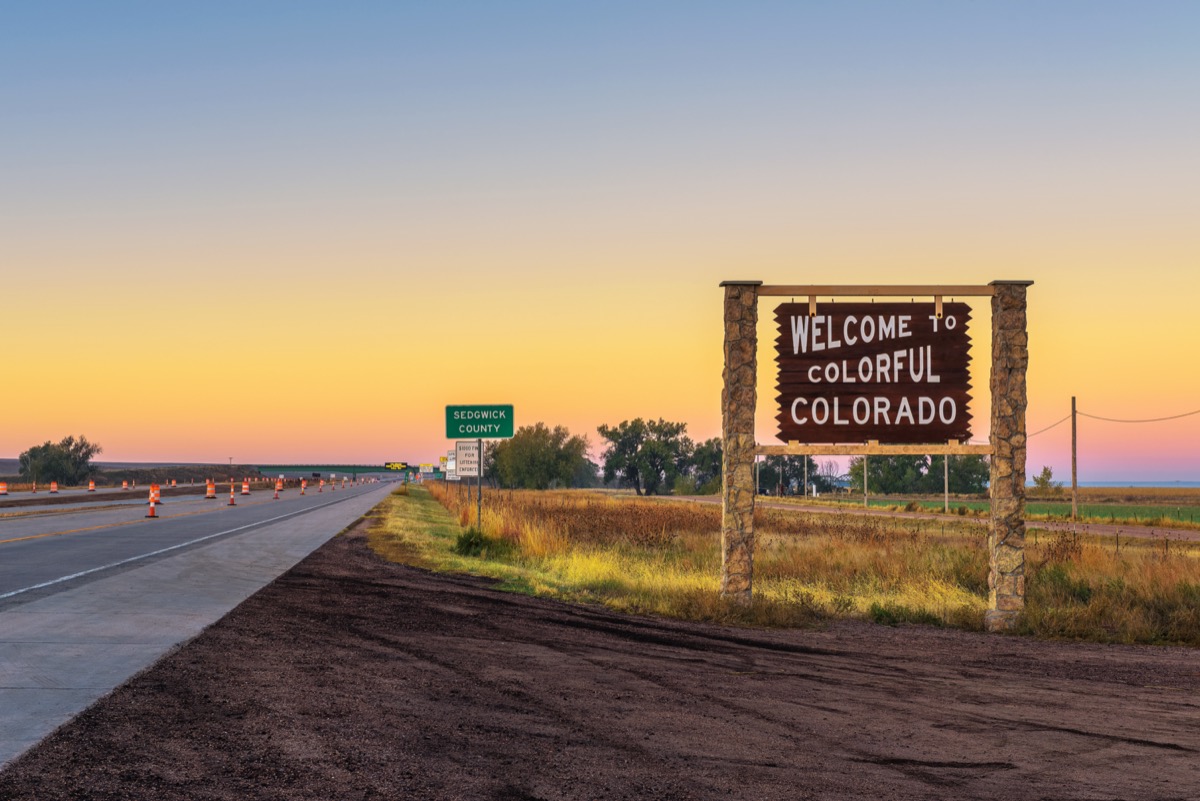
{"type": "Point", "coordinates": [664, 557]}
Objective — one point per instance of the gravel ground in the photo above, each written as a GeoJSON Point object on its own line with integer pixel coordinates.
{"type": "Point", "coordinates": [351, 678]}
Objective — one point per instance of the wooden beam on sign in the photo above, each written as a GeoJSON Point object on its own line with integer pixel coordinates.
{"type": "Point", "coordinates": [878, 291]}
{"type": "Point", "coordinates": [874, 449]}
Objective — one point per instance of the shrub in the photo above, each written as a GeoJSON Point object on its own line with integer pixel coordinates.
{"type": "Point", "coordinates": [684, 485]}
{"type": "Point", "coordinates": [474, 542]}
{"type": "Point", "coordinates": [895, 614]}
{"type": "Point", "coordinates": [1054, 582]}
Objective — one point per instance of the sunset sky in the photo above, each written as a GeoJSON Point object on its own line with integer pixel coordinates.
{"type": "Point", "coordinates": [294, 231]}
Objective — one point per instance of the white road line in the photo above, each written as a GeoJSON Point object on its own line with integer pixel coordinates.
{"type": "Point", "coordinates": [165, 550]}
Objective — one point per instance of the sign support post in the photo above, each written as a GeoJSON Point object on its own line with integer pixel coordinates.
{"type": "Point", "coordinates": [913, 396]}
{"type": "Point", "coordinates": [946, 484]}
{"type": "Point", "coordinates": [738, 399]}
{"type": "Point", "coordinates": [474, 424]}
{"type": "Point", "coordinates": [1006, 530]}
{"type": "Point", "coordinates": [866, 490]}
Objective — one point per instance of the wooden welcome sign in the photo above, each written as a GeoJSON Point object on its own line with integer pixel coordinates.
{"type": "Point", "coordinates": [867, 379]}
{"type": "Point", "coordinates": [890, 372]}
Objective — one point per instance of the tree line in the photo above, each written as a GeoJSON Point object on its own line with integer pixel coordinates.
{"type": "Point", "coordinates": [657, 457]}
{"type": "Point", "coordinates": [920, 475]}
{"type": "Point", "coordinates": [651, 457]}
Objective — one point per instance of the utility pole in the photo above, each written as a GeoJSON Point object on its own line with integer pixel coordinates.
{"type": "Point", "coordinates": [1074, 467]}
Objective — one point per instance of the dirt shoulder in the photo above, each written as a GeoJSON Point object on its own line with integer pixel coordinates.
{"type": "Point", "coordinates": [353, 678]}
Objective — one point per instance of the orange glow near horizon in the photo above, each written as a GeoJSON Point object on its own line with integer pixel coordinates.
{"type": "Point", "coordinates": [305, 250]}
{"type": "Point", "coordinates": [359, 386]}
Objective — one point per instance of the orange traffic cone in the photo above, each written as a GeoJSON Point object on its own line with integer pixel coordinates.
{"type": "Point", "coordinates": [321, 487]}
{"type": "Point", "coordinates": [303, 487]}
{"type": "Point", "coordinates": [53, 487]}
{"type": "Point", "coordinates": [34, 490]}
{"type": "Point", "coordinates": [125, 485]}
{"type": "Point", "coordinates": [152, 514]}
{"type": "Point", "coordinates": [245, 487]}
{"type": "Point", "coordinates": [276, 492]}
{"type": "Point", "coordinates": [232, 502]}
{"type": "Point", "coordinates": [91, 486]}
{"type": "Point", "coordinates": [3, 488]}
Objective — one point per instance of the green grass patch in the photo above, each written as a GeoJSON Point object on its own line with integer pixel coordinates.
{"type": "Point", "coordinates": [1122, 514]}
{"type": "Point", "coordinates": [895, 614]}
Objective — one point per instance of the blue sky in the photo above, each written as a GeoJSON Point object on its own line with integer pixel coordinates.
{"type": "Point", "coordinates": [526, 166]}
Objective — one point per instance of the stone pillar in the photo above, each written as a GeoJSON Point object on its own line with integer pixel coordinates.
{"type": "Point", "coordinates": [738, 398]}
{"type": "Point", "coordinates": [1006, 530]}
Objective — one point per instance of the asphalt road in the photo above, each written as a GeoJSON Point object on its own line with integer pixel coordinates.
{"type": "Point", "coordinates": [42, 551]}
{"type": "Point", "coordinates": [72, 492]}
{"type": "Point", "coordinates": [90, 597]}
{"type": "Point", "coordinates": [27, 501]}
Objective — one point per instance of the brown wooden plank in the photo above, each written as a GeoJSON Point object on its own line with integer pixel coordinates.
{"type": "Point", "coordinates": [876, 290]}
{"type": "Point", "coordinates": [877, 449]}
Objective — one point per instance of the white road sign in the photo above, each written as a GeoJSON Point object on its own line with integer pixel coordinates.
{"type": "Point", "coordinates": [466, 458]}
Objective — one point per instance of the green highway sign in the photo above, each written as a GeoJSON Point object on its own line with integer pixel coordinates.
{"type": "Point", "coordinates": [479, 422]}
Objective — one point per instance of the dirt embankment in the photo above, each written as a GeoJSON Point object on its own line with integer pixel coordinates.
{"type": "Point", "coordinates": [351, 678]}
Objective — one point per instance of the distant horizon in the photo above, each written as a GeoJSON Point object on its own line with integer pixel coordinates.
{"type": "Point", "coordinates": [6, 462]}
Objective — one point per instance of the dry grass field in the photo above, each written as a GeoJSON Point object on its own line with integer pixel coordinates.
{"type": "Point", "coordinates": [663, 558]}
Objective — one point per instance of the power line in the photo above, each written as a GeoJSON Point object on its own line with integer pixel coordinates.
{"type": "Point", "coordinates": [1047, 428]}
{"type": "Point", "coordinates": [1148, 420]}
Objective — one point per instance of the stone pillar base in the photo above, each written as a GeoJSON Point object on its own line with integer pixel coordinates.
{"type": "Point", "coordinates": [738, 398]}
{"type": "Point", "coordinates": [1006, 531]}
{"type": "Point", "coordinates": [741, 598]}
{"type": "Point", "coordinates": [997, 620]}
